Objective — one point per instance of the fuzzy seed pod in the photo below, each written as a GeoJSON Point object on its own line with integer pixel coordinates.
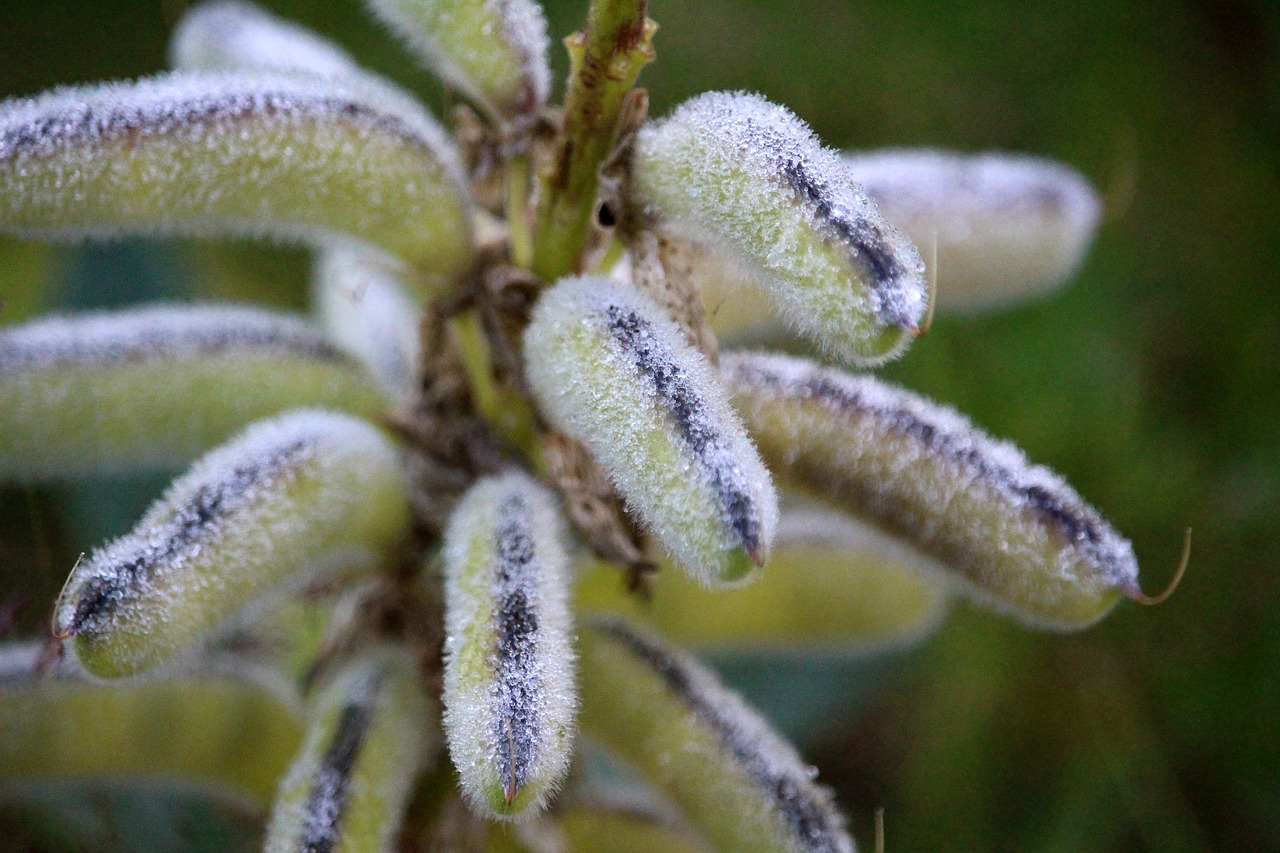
{"type": "Point", "coordinates": [307, 493]}
{"type": "Point", "coordinates": [494, 51]}
{"type": "Point", "coordinates": [509, 690]}
{"type": "Point", "coordinates": [612, 371]}
{"type": "Point", "coordinates": [1015, 536]}
{"type": "Point", "coordinates": [750, 179]}
{"type": "Point", "coordinates": [248, 153]}
{"type": "Point", "coordinates": [153, 387]}
{"type": "Point", "coordinates": [224, 35]}
{"type": "Point", "coordinates": [738, 781]}
{"type": "Point", "coordinates": [370, 733]}
{"type": "Point", "coordinates": [1007, 227]}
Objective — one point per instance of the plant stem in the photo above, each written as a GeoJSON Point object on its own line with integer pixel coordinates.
{"type": "Point", "coordinates": [604, 63]}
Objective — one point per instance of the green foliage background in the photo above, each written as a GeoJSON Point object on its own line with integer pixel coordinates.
{"type": "Point", "coordinates": [1150, 383]}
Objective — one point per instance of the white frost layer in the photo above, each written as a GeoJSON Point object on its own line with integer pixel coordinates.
{"type": "Point", "coordinates": [229, 34]}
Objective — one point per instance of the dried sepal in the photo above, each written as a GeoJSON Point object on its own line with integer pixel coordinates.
{"type": "Point", "coordinates": [301, 495]}
{"type": "Point", "coordinates": [153, 387]}
{"type": "Point", "coordinates": [1014, 535]}
{"type": "Point", "coordinates": [739, 782]}
{"type": "Point", "coordinates": [1006, 227]}
{"type": "Point", "coordinates": [250, 153]}
{"type": "Point", "coordinates": [750, 179]}
{"type": "Point", "coordinates": [494, 51]}
{"type": "Point", "coordinates": [370, 733]}
{"type": "Point", "coordinates": [509, 690]}
{"type": "Point", "coordinates": [611, 370]}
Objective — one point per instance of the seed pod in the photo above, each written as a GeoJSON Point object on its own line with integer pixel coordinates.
{"type": "Point", "coordinates": [1015, 536]}
{"type": "Point", "coordinates": [494, 51]}
{"type": "Point", "coordinates": [509, 691]}
{"type": "Point", "coordinates": [749, 178]}
{"type": "Point", "coordinates": [234, 727]}
{"type": "Point", "coordinates": [223, 35]}
{"type": "Point", "coordinates": [597, 830]}
{"type": "Point", "coordinates": [153, 387]}
{"type": "Point", "coordinates": [304, 494]}
{"type": "Point", "coordinates": [612, 371]}
{"type": "Point", "coordinates": [370, 734]}
{"type": "Point", "coordinates": [249, 153]}
{"type": "Point", "coordinates": [738, 781]}
{"type": "Point", "coordinates": [1007, 227]}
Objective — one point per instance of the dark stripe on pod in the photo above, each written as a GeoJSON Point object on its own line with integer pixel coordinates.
{"type": "Point", "coordinates": [693, 420]}
{"type": "Point", "coordinates": [808, 818]}
{"type": "Point", "coordinates": [517, 689]}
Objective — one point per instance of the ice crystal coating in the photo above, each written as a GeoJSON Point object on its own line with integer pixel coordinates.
{"type": "Point", "coordinates": [495, 51]}
{"type": "Point", "coordinates": [307, 493]}
{"type": "Point", "coordinates": [1007, 226]}
{"type": "Point", "coordinates": [1015, 535]}
{"type": "Point", "coordinates": [229, 34]}
{"type": "Point", "coordinates": [737, 780]}
{"type": "Point", "coordinates": [509, 690]}
{"type": "Point", "coordinates": [153, 387]}
{"type": "Point", "coordinates": [611, 370]}
{"type": "Point", "coordinates": [368, 738]}
{"type": "Point", "coordinates": [249, 153]}
{"type": "Point", "coordinates": [749, 178]}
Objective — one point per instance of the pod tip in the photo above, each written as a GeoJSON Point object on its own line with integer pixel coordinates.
{"type": "Point", "coordinates": [1135, 592]}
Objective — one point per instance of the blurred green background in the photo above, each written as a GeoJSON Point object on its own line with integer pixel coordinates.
{"type": "Point", "coordinates": [1150, 382]}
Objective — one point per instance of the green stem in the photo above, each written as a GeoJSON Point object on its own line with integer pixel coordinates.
{"type": "Point", "coordinates": [518, 211]}
{"type": "Point", "coordinates": [604, 63]}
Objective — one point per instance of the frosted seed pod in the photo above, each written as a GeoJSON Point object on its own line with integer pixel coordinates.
{"type": "Point", "coordinates": [494, 51]}
{"type": "Point", "coordinates": [833, 586]}
{"type": "Point", "coordinates": [370, 733]}
{"type": "Point", "coordinates": [228, 34]}
{"type": "Point", "coordinates": [235, 728]}
{"type": "Point", "coordinates": [611, 370]}
{"type": "Point", "coordinates": [303, 494]}
{"type": "Point", "coordinates": [1007, 227]}
{"type": "Point", "coordinates": [153, 387]}
{"type": "Point", "coordinates": [597, 830]}
{"type": "Point", "coordinates": [1015, 536]}
{"type": "Point", "coordinates": [248, 153]}
{"type": "Point", "coordinates": [509, 692]}
{"type": "Point", "coordinates": [362, 303]}
{"type": "Point", "coordinates": [748, 177]}
{"type": "Point", "coordinates": [738, 781]}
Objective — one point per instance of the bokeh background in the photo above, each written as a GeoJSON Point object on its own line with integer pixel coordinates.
{"type": "Point", "coordinates": [1150, 383]}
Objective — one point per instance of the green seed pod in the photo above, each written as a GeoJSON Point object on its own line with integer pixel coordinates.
{"type": "Point", "coordinates": [598, 830]}
{"type": "Point", "coordinates": [226, 35]}
{"type": "Point", "coordinates": [1015, 536]}
{"type": "Point", "coordinates": [738, 781]}
{"type": "Point", "coordinates": [750, 179]}
{"type": "Point", "coordinates": [370, 734]}
{"type": "Point", "coordinates": [304, 494]}
{"type": "Point", "coordinates": [153, 387]}
{"type": "Point", "coordinates": [612, 371]}
{"type": "Point", "coordinates": [249, 153]}
{"type": "Point", "coordinates": [234, 727]}
{"type": "Point", "coordinates": [509, 691]}
{"type": "Point", "coordinates": [494, 51]}
{"type": "Point", "coordinates": [1006, 227]}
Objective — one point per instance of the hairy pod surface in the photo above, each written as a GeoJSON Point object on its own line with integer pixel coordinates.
{"type": "Point", "coordinates": [1007, 227]}
{"type": "Point", "coordinates": [1015, 535]}
{"type": "Point", "coordinates": [153, 387]}
{"type": "Point", "coordinates": [370, 733]}
{"type": "Point", "coordinates": [612, 371]}
{"type": "Point", "coordinates": [249, 153]}
{"type": "Point", "coordinates": [748, 177]}
{"type": "Point", "coordinates": [494, 51]}
{"type": "Point", "coordinates": [738, 781]}
{"type": "Point", "coordinates": [306, 493]}
{"type": "Point", "coordinates": [233, 728]}
{"type": "Point", "coordinates": [509, 690]}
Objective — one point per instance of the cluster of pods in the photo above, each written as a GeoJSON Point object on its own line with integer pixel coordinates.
{"type": "Point", "coordinates": [735, 222]}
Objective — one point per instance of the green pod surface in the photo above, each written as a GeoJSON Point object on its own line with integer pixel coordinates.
{"type": "Point", "coordinates": [1013, 535]}
{"type": "Point", "coordinates": [612, 371]}
{"type": "Point", "coordinates": [153, 387]}
{"type": "Point", "coordinates": [371, 731]}
{"type": "Point", "coordinates": [249, 153]}
{"type": "Point", "coordinates": [750, 179]}
{"type": "Point", "coordinates": [588, 830]}
{"type": "Point", "coordinates": [307, 493]}
{"type": "Point", "coordinates": [509, 684]}
{"type": "Point", "coordinates": [225, 35]}
{"type": "Point", "coordinates": [741, 785]}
